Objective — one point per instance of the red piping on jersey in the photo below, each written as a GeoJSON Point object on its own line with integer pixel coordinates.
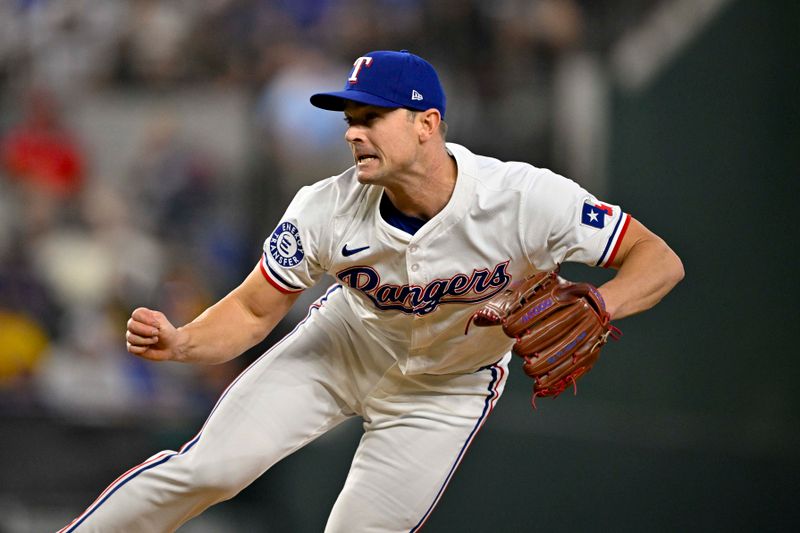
{"type": "Point", "coordinates": [273, 282]}
{"type": "Point", "coordinates": [619, 240]}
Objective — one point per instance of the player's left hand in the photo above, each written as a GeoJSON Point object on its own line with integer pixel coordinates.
{"type": "Point", "coordinates": [559, 327]}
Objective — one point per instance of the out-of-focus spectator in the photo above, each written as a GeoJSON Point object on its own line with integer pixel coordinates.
{"type": "Point", "coordinates": [151, 45]}
{"type": "Point", "coordinates": [99, 267]}
{"type": "Point", "coordinates": [171, 183]}
{"type": "Point", "coordinates": [22, 343]}
{"type": "Point", "coordinates": [227, 42]}
{"type": "Point", "coordinates": [180, 189]}
{"type": "Point", "coordinates": [528, 38]}
{"type": "Point", "coordinates": [23, 348]}
{"type": "Point", "coordinates": [138, 256]}
{"type": "Point", "coordinates": [77, 268]}
{"type": "Point", "coordinates": [23, 291]}
{"type": "Point", "coordinates": [380, 24]}
{"type": "Point", "coordinates": [67, 45]}
{"type": "Point", "coordinates": [41, 151]}
{"type": "Point", "coordinates": [303, 140]}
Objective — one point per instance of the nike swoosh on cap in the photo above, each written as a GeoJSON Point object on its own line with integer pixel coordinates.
{"type": "Point", "coordinates": [347, 252]}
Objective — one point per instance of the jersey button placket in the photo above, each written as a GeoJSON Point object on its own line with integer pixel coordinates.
{"type": "Point", "coordinates": [412, 257]}
{"type": "Point", "coordinates": [413, 268]}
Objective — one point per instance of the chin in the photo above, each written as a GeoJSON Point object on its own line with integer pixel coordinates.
{"type": "Point", "coordinates": [367, 177]}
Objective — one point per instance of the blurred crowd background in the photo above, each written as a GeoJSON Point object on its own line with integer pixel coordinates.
{"type": "Point", "coordinates": [148, 147]}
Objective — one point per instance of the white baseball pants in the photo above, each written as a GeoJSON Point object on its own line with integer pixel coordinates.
{"type": "Point", "coordinates": [416, 431]}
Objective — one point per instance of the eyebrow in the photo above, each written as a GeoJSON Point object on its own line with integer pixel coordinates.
{"type": "Point", "coordinates": [365, 112]}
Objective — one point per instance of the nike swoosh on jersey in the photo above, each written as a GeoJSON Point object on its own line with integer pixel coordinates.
{"type": "Point", "coordinates": [347, 252]}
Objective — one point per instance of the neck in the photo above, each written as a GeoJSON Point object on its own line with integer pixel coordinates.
{"type": "Point", "coordinates": [425, 192]}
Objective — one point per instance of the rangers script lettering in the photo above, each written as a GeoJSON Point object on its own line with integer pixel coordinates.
{"type": "Point", "coordinates": [461, 288]}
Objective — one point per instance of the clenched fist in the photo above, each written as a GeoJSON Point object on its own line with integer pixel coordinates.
{"type": "Point", "coordinates": [151, 336]}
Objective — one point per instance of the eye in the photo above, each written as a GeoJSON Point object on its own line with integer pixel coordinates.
{"type": "Point", "coordinates": [366, 119]}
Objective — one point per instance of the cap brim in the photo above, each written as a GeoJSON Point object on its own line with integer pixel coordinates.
{"type": "Point", "coordinates": [336, 101]}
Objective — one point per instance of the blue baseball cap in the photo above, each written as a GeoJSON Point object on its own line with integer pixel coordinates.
{"type": "Point", "coordinates": [388, 79]}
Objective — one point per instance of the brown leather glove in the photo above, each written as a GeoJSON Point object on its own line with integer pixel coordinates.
{"type": "Point", "coordinates": [559, 328]}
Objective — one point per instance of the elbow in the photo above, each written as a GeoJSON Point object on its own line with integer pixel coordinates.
{"type": "Point", "coordinates": [676, 270]}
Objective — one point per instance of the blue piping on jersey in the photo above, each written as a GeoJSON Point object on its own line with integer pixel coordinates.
{"type": "Point", "coordinates": [279, 277]}
{"type": "Point", "coordinates": [610, 240]}
{"type": "Point", "coordinates": [493, 394]}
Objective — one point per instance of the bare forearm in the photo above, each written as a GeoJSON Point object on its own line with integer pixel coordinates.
{"type": "Point", "coordinates": [223, 332]}
{"type": "Point", "coordinates": [235, 323]}
{"type": "Point", "coordinates": [650, 271]}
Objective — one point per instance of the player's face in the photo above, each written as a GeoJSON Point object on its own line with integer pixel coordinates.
{"type": "Point", "coordinates": [383, 140]}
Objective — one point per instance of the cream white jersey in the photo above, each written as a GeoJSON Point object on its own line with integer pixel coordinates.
{"type": "Point", "coordinates": [413, 295]}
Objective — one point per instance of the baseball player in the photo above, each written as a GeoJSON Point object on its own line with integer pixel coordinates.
{"type": "Point", "coordinates": [419, 234]}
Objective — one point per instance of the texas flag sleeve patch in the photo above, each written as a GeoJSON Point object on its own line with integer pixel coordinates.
{"type": "Point", "coordinates": [594, 214]}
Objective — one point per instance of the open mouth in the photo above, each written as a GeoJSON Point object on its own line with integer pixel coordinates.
{"type": "Point", "coordinates": [365, 158]}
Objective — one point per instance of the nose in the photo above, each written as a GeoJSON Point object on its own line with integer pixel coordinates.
{"type": "Point", "coordinates": [354, 134]}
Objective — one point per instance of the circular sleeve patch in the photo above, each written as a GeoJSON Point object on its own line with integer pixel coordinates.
{"type": "Point", "coordinates": [285, 246]}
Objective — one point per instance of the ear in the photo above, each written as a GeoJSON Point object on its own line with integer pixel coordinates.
{"type": "Point", "coordinates": [428, 123]}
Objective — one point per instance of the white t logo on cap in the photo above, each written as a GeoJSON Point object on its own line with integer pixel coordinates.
{"type": "Point", "coordinates": [360, 62]}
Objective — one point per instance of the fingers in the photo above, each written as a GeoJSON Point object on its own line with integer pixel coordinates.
{"type": "Point", "coordinates": [147, 316]}
{"type": "Point", "coordinates": [142, 326]}
{"type": "Point", "coordinates": [136, 350]}
{"type": "Point", "coordinates": [142, 331]}
{"type": "Point", "coordinates": [140, 340]}
{"type": "Point", "coordinates": [146, 347]}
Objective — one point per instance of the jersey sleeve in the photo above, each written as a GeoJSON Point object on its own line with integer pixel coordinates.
{"type": "Point", "coordinates": [293, 254]}
{"type": "Point", "coordinates": [563, 222]}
